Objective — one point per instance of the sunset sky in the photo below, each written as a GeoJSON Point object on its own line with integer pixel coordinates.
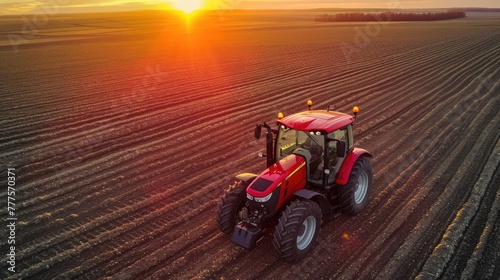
{"type": "Point", "coordinates": [27, 6]}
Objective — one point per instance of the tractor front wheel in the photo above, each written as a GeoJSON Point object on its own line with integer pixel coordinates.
{"type": "Point", "coordinates": [356, 192]}
{"type": "Point", "coordinates": [297, 230]}
{"type": "Point", "coordinates": [230, 204]}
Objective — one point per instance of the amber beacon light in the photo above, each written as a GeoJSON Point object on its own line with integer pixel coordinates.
{"type": "Point", "coordinates": [309, 104]}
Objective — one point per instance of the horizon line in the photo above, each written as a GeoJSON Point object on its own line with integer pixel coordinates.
{"type": "Point", "coordinates": [253, 9]}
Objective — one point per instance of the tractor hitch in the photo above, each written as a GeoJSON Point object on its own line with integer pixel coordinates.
{"type": "Point", "coordinates": [246, 237]}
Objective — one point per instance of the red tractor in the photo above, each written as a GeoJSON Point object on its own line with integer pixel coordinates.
{"type": "Point", "coordinates": [313, 170]}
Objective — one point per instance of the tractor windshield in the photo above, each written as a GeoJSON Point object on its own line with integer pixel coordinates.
{"type": "Point", "coordinates": [306, 144]}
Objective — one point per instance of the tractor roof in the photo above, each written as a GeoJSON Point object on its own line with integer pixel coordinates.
{"type": "Point", "coordinates": [317, 120]}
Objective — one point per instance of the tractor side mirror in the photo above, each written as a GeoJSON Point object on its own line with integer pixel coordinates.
{"type": "Point", "coordinates": [341, 146]}
{"type": "Point", "coordinates": [258, 131]}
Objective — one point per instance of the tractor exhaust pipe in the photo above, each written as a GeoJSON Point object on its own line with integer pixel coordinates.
{"type": "Point", "coordinates": [269, 141]}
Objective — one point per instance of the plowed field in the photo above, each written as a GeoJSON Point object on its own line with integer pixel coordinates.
{"type": "Point", "coordinates": [125, 129]}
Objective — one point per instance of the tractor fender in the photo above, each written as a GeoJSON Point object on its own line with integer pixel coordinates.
{"type": "Point", "coordinates": [345, 170]}
{"type": "Point", "coordinates": [246, 178]}
{"type": "Point", "coordinates": [316, 197]}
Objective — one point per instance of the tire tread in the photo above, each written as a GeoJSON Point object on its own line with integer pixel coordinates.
{"type": "Point", "coordinates": [224, 217]}
{"type": "Point", "coordinates": [285, 234]}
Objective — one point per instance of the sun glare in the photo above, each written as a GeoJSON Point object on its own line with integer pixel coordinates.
{"type": "Point", "coordinates": [188, 6]}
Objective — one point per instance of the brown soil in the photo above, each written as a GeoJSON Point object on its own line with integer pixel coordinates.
{"type": "Point", "coordinates": [125, 129]}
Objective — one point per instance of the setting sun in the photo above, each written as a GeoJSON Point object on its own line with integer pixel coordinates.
{"type": "Point", "coordinates": [188, 6]}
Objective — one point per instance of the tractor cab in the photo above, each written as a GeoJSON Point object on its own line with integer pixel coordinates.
{"type": "Point", "coordinates": [324, 152]}
{"type": "Point", "coordinates": [322, 137]}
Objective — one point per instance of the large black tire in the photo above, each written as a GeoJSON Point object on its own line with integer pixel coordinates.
{"type": "Point", "coordinates": [297, 230]}
{"type": "Point", "coordinates": [229, 206]}
{"type": "Point", "coordinates": [356, 192]}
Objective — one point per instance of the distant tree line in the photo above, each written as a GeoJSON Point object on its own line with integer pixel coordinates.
{"type": "Point", "coordinates": [389, 16]}
{"type": "Point", "coordinates": [477, 10]}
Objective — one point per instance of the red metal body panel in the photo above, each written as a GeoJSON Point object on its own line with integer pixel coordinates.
{"type": "Point", "coordinates": [317, 120]}
{"type": "Point", "coordinates": [345, 170]}
{"type": "Point", "coordinates": [289, 174]}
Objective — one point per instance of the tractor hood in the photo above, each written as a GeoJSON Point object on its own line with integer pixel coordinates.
{"type": "Point", "coordinates": [279, 182]}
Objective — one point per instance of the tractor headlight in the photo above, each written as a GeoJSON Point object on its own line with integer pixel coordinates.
{"type": "Point", "coordinates": [263, 199]}
{"type": "Point", "coordinates": [249, 197]}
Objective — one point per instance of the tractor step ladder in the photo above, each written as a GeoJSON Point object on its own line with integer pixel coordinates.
{"type": "Point", "coordinates": [336, 205]}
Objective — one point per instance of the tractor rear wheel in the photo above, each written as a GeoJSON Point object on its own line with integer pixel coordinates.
{"type": "Point", "coordinates": [230, 204]}
{"type": "Point", "coordinates": [356, 192]}
{"type": "Point", "coordinates": [297, 230]}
